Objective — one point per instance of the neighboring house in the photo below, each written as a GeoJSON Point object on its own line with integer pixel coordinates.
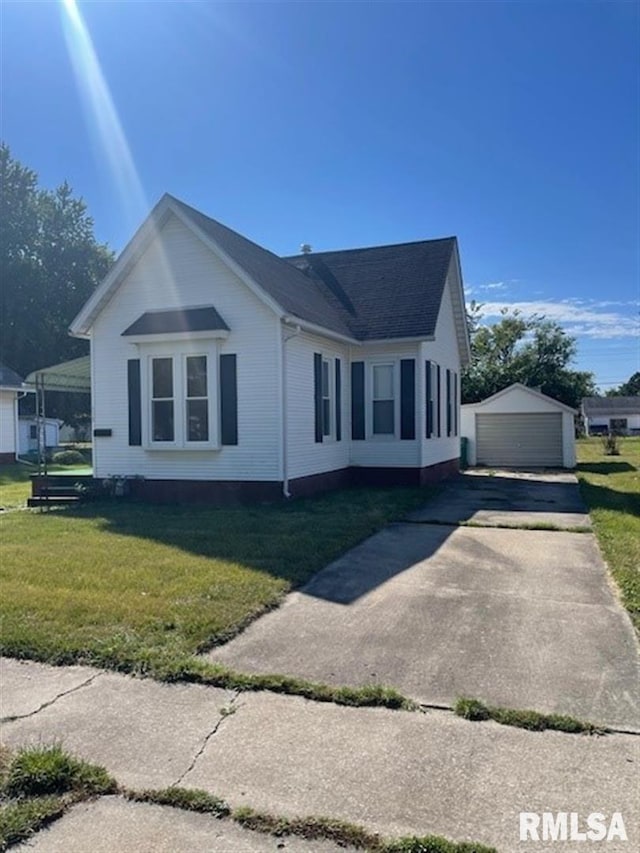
{"type": "Point", "coordinates": [619, 415]}
{"type": "Point", "coordinates": [11, 389]}
{"type": "Point", "coordinates": [220, 370]}
{"type": "Point", "coordinates": [28, 434]}
{"type": "Point", "coordinates": [519, 428]}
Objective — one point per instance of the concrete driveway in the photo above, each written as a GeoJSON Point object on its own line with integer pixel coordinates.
{"type": "Point", "coordinates": [517, 617]}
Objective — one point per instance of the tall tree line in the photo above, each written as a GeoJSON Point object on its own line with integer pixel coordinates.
{"type": "Point", "coordinates": [50, 263]}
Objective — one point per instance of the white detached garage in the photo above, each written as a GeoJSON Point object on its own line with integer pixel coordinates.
{"type": "Point", "coordinates": [519, 428]}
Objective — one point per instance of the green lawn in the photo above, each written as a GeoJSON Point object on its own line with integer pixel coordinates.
{"type": "Point", "coordinates": [610, 486]}
{"type": "Point", "coordinates": [123, 584]}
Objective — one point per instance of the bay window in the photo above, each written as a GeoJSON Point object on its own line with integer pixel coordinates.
{"type": "Point", "coordinates": [179, 384]}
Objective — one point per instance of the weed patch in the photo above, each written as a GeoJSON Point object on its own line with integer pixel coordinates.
{"type": "Point", "coordinates": [534, 721]}
{"type": "Point", "coordinates": [36, 771]}
{"type": "Point", "coordinates": [192, 800]}
{"type": "Point", "coordinates": [38, 784]}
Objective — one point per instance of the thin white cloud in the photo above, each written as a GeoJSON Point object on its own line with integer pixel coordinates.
{"type": "Point", "coordinates": [580, 318]}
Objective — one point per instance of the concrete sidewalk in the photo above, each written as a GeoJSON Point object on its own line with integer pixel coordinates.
{"type": "Point", "coordinates": [395, 772]}
{"type": "Point", "coordinates": [115, 825]}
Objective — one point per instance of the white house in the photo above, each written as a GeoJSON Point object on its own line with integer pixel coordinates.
{"type": "Point", "coordinates": [220, 370]}
{"type": "Point", "coordinates": [11, 389]}
{"type": "Point", "coordinates": [28, 433]}
{"type": "Point", "coordinates": [619, 415]}
{"type": "Point", "coordinates": [519, 428]}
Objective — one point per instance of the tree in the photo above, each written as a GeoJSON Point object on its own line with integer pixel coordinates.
{"type": "Point", "coordinates": [50, 264]}
{"type": "Point", "coordinates": [534, 351]}
{"type": "Point", "coordinates": [630, 388]}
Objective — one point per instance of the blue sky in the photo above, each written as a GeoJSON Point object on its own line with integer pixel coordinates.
{"type": "Point", "coordinates": [514, 125]}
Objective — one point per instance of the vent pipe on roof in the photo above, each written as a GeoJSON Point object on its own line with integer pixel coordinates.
{"type": "Point", "coordinates": [305, 248]}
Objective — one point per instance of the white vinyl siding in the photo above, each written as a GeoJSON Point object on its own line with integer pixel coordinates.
{"type": "Point", "coordinates": [532, 439]}
{"type": "Point", "coordinates": [305, 456]}
{"type": "Point", "coordinates": [178, 271]}
{"type": "Point", "coordinates": [443, 353]}
{"type": "Point", "coordinates": [386, 451]}
{"type": "Point", "coordinates": [7, 422]}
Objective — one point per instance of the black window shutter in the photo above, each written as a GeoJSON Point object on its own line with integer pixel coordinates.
{"type": "Point", "coordinates": [448, 402]}
{"type": "Point", "coordinates": [408, 398]}
{"type": "Point", "coordinates": [338, 400]}
{"type": "Point", "coordinates": [135, 401]}
{"type": "Point", "coordinates": [429, 402]}
{"type": "Point", "coordinates": [228, 400]}
{"type": "Point", "coordinates": [357, 400]}
{"type": "Point", "coordinates": [455, 403]}
{"type": "Point", "coordinates": [317, 394]}
{"type": "Point", "coordinates": [439, 400]}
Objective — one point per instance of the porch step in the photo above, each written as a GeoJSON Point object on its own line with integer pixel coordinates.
{"type": "Point", "coordinates": [58, 485]}
{"type": "Point", "coordinates": [53, 500]}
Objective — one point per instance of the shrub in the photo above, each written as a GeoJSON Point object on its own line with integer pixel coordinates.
{"type": "Point", "coordinates": [68, 457]}
{"type": "Point", "coordinates": [611, 444]}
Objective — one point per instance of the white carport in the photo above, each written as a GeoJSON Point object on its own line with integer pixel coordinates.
{"type": "Point", "coordinates": [519, 427]}
{"type": "Point", "coordinates": [72, 376]}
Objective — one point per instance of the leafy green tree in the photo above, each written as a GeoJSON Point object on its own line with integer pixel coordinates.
{"type": "Point", "coordinates": [50, 264]}
{"type": "Point", "coordinates": [630, 388]}
{"type": "Point", "coordinates": [531, 350]}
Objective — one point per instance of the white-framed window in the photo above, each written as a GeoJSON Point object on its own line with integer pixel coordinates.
{"type": "Point", "coordinates": [327, 397]}
{"type": "Point", "coordinates": [197, 398]}
{"type": "Point", "coordinates": [383, 399]}
{"type": "Point", "coordinates": [163, 416]}
{"type": "Point", "coordinates": [180, 387]}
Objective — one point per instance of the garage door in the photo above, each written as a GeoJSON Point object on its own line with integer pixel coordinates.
{"type": "Point", "coordinates": [520, 440]}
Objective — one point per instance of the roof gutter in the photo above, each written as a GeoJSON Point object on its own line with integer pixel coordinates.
{"type": "Point", "coordinates": [319, 330]}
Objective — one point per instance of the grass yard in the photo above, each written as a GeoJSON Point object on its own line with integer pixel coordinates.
{"type": "Point", "coordinates": [610, 486]}
{"type": "Point", "coordinates": [139, 587]}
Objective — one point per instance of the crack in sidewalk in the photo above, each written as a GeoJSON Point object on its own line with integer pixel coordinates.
{"type": "Point", "coordinates": [230, 709]}
{"type": "Point", "coordinates": [12, 718]}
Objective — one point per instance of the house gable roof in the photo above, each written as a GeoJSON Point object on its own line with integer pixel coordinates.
{"type": "Point", "coordinates": [519, 386]}
{"type": "Point", "coordinates": [383, 291]}
{"type": "Point", "coordinates": [606, 406]}
{"type": "Point", "coordinates": [368, 294]}
{"type": "Point", "coordinates": [10, 379]}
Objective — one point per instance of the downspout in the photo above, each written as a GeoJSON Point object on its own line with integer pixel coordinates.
{"type": "Point", "coordinates": [294, 332]}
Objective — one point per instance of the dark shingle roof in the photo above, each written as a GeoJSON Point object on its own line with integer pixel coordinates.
{"type": "Point", "coordinates": [180, 320]}
{"type": "Point", "coordinates": [609, 405]}
{"type": "Point", "coordinates": [288, 287]}
{"type": "Point", "coordinates": [9, 378]}
{"type": "Point", "coordinates": [368, 294]}
{"type": "Point", "coordinates": [384, 291]}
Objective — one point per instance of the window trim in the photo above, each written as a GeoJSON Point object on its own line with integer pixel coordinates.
{"type": "Point", "coordinates": [394, 363]}
{"type": "Point", "coordinates": [179, 352]}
